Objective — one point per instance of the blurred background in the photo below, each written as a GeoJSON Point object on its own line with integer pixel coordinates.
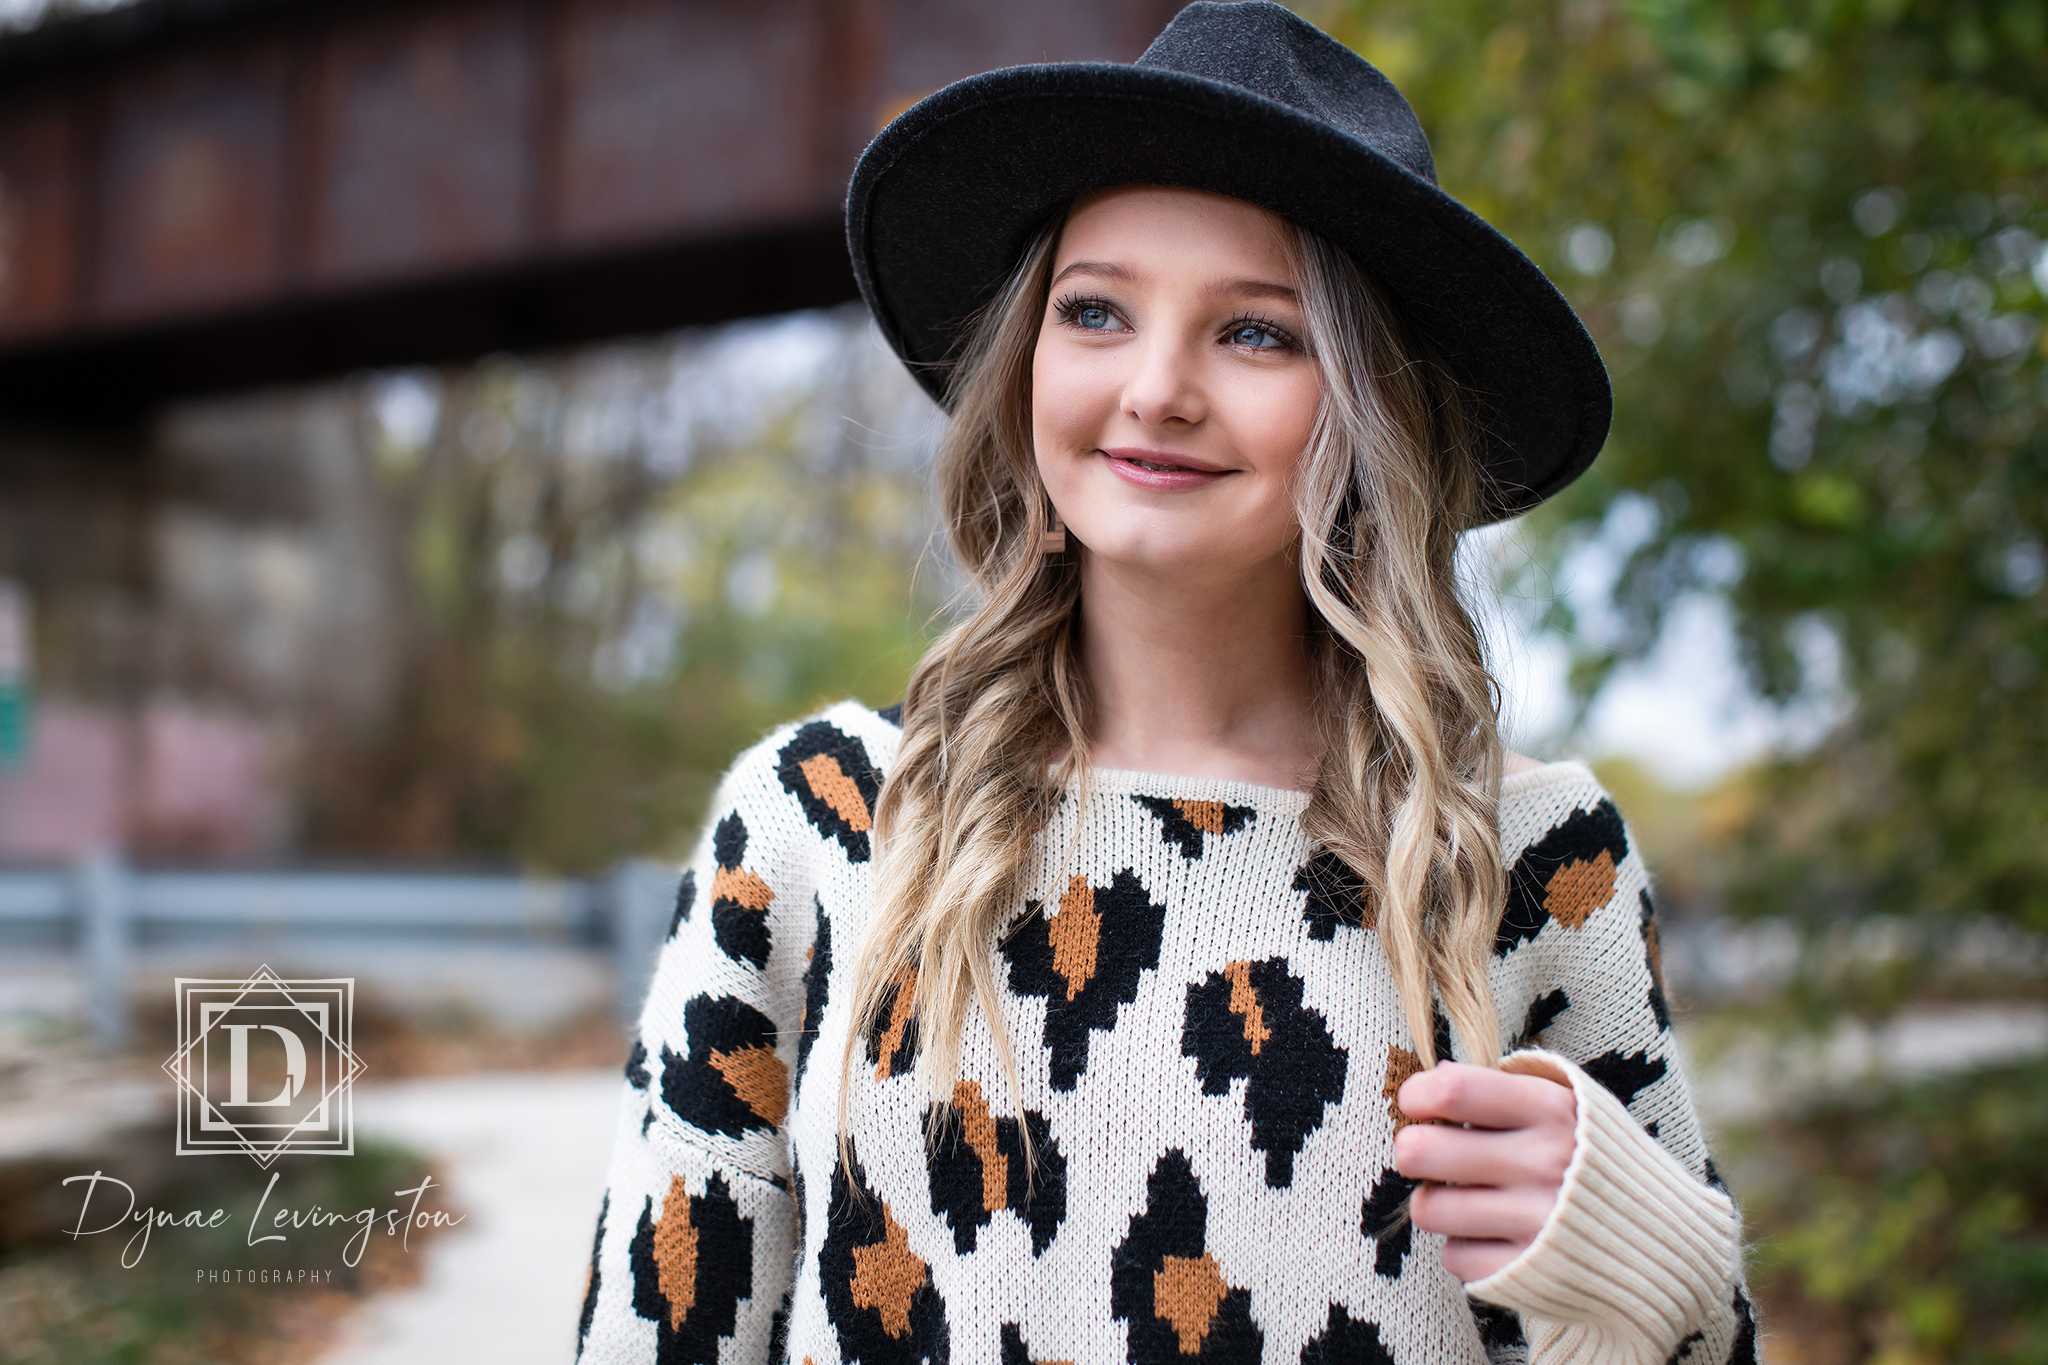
{"type": "Point", "coordinates": [436, 437]}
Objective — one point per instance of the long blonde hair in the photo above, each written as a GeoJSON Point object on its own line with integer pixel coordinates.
{"type": "Point", "coordinates": [995, 720]}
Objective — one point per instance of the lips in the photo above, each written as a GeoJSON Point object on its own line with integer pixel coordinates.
{"type": "Point", "coordinates": [1162, 471]}
{"type": "Point", "coordinates": [1162, 460]}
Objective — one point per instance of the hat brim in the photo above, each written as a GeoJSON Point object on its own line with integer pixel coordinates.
{"type": "Point", "coordinates": [945, 199]}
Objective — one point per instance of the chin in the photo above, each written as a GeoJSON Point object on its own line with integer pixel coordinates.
{"type": "Point", "coordinates": [1188, 553]}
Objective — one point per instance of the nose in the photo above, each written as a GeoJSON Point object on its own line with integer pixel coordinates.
{"type": "Point", "coordinates": [1166, 384]}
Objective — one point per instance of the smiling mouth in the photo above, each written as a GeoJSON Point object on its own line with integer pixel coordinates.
{"type": "Point", "coordinates": [1160, 462]}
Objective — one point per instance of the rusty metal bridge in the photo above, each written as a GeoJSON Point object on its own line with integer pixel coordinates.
{"type": "Point", "coordinates": [202, 195]}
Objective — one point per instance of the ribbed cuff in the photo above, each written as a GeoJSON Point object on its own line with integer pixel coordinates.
{"type": "Point", "coordinates": [1637, 1253]}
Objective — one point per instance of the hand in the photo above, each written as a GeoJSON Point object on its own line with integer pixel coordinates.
{"type": "Point", "coordinates": [1493, 1181]}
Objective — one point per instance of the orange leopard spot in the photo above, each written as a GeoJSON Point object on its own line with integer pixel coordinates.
{"type": "Point", "coordinates": [1186, 1291]}
{"type": "Point", "coordinates": [1579, 888]}
{"type": "Point", "coordinates": [1244, 1002]}
{"type": "Point", "coordinates": [1076, 932]}
{"type": "Point", "coordinates": [743, 888]}
{"type": "Point", "coordinates": [978, 1126]}
{"type": "Point", "coordinates": [1206, 816]}
{"type": "Point", "coordinates": [758, 1077]}
{"type": "Point", "coordinates": [830, 784]}
{"type": "Point", "coordinates": [900, 1010]}
{"type": "Point", "coordinates": [1656, 948]}
{"type": "Point", "coordinates": [675, 1253]}
{"type": "Point", "coordinates": [1401, 1064]}
{"type": "Point", "coordinates": [887, 1275]}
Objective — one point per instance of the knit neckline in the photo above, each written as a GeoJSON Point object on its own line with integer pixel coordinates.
{"type": "Point", "coordinates": [1286, 800]}
{"type": "Point", "coordinates": [1178, 787]}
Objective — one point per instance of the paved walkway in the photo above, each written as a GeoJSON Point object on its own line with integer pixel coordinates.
{"type": "Point", "coordinates": [524, 1156]}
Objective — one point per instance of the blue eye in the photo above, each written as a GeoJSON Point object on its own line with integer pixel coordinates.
{"type": "Point", "coordinates": [1257, 336]}
{"type": "Point", "coordinates": [1090, 315]}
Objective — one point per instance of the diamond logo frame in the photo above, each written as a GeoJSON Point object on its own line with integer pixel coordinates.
{"type": "Point", "coordinates": [265, 1066]}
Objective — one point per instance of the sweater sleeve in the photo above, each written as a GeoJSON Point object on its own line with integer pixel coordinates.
{"type": "Point", "coordinates": [696, 1236]}
{"type": "Point", "coordinates": [1640, 1260]}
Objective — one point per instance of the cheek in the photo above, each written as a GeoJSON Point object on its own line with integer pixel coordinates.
{"type": "Point", "coordinates": [1063, 400]}
{"type": "Point", "coordinates": [1276, 419]}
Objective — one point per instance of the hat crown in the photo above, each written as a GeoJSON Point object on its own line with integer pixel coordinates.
{"type": "Point", "coordinates": [1258, 46]}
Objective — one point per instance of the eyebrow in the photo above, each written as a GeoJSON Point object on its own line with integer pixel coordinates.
{"type": "Point", "coordinates": [1110, 270]}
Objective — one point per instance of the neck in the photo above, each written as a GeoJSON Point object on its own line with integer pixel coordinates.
{"type": "Point", "coordinates": [1200, 677]}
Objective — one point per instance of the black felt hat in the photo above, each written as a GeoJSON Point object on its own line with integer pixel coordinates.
{"type": "Point", "coordinates": [1250, 101]}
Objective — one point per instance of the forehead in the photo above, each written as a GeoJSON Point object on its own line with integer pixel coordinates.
{"type": "Point", "coordinates": [1156, 227]}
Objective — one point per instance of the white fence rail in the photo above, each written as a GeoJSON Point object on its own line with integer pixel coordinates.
{"type": "Point", "coordinates": [106, 910]}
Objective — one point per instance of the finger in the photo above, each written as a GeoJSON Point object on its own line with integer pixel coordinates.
{"type": "Point", "coordinates": [1473, 1260]}
{"type": "Point", "coordinates": [1480, 1156]}
{"type": "Point", "coordinates": [1459, 1093]}
{"type": "Point", "coordinates": [1515, 1215]}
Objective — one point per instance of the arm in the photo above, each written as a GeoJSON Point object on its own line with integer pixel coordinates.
{"type": "Point", "coordinates": [1592, 1210]}
{"type": "Point", "coordinates": [697, 1231]}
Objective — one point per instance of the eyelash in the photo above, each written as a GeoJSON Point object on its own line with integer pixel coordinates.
{"type": "Point", "coordinates": [1279, 333]}
{"type": "Point", "coordinates": [1072, 306]}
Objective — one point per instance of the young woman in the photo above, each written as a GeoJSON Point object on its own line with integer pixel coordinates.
{"type": "Point", "coordinates": [1183, 971]}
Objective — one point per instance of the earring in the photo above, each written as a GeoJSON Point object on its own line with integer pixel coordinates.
{"type": "Point", "coordinates": [1053, 540]}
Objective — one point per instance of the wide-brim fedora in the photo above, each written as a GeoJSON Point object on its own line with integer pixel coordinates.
{"type": "Point", "coordinates": [1250, 101]}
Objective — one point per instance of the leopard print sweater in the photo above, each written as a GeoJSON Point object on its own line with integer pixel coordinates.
{"type": "Point", "coordinates": [1210, 1044]}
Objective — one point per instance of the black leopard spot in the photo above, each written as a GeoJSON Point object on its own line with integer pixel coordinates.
{"type": "Point", "coordinates": [892, 1038]}
{"type": "Point", "coordinates": [731, 1082]}
{"type": "Point", "coordinates": [590, 1290]}
{"type": "Point", "coordinates": [1500, 1329]}
{"type": "Point", "coordinates": [1626, 1074]}
{"type": "Point", "coordinates": [1543, 1012]}
{"type": "Point", "coordinates": [686, 897]}
{"type": "Point", "coordinates": [691, 1268]}
{"type": "Point", "coordinates": [796, 1180]}
{"type": "Point", "coordinates": [893, 713]}
{"type": "Point", "coordinates": [1384, 1222]}
{"type": "Point", "coordinates": [878, 1292]}
{"type": "Point", "coordinates": [1085, 961]}
{"type": "Point", "coordinates": [739, 899]}
{"type": "Point", "coordinates": [1685, 1348]}
{"type": "Point", "coordinates": [1653, 954]}
{"type": "Point", "coordinates": [979, 1169]}
{"type": "Point", "coordinates": [1336, 895]}
{"type": "Point", "coordinates": [817, 979]}
{"type": "Point", "coordinates": [1185, 824]}
{"type": "Point", "coordinates": [829, 773]}
{"type": "Point", "coordinates": [1565, 876]}
{"type": "Point", "coordinates": [1168, 1287]}
{"type": "Point", "coordinates": [636, 1066]}
{"type": "Point", "coordinates": [1347, 1341]}
{"type": "Point", "coordinates": [1744, 1350]}
{"type": "Point", "coordinates": [1248, 1020]}
{"type": "Point", "coordinates": [1014, 1350]}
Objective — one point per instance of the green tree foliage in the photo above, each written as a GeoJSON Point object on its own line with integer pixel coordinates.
{"type": "Point", "coordinates": [1807, 235]}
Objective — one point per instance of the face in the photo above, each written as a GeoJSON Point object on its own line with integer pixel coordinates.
{"type": "Point", "coordinates": [1171, 391]}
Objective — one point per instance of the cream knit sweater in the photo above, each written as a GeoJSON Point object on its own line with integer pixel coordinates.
{"type": "Point", "coordinates": [1210, 1044]}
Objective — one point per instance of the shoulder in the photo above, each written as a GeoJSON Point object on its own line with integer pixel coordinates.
{"type": "Point", "coordinates": [1570, 864]}
{"type": "Point", "coordinates": [823, 771]}
{"type": "Point", "coordinates": [853, 738]}
{"type": "Point", "coordinates": [1547, 804]}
